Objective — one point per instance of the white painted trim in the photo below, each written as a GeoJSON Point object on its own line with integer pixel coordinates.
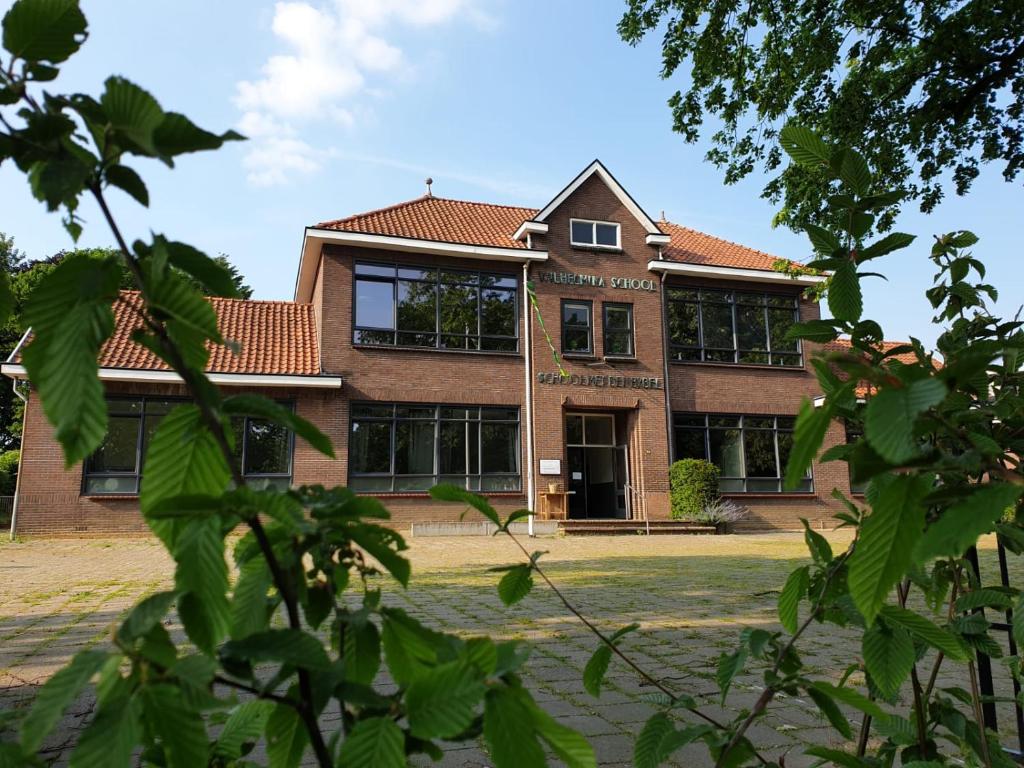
{"type": "Point", "coordinates": [529, 227]}
{"type": "Point", "coordinates": [21, 342]}
{"type": "Point", "coordinates": [658, 239]}
{"type": "Point", "coordinates": [732, 273]}
{"type": "Point", "coordinates": [616, 188]}
{"type": "Point", "coordinates": [593, 228]}
{"type": "Point", "coordinates": [314, 237]}
{"type": "Point", "coordinates": [16, 371]}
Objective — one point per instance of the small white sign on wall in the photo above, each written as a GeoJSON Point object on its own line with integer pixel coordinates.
{"type": "Point", "coordinates": [551, 466]}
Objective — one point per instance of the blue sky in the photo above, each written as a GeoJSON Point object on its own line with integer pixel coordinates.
{"type": "Point", "coordinates": [352, 103]}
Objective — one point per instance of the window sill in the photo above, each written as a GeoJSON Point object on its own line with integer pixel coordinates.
{"type": "Point", "coordinates": [108, 496]}
{"type": "Point", "coordinates": [742, 366]}
{"type": "Point", "coordinates": [426, 494]}
{"type": "Point", "coordinates": [621, 359]}
{"type": "Point", "coordinates": [593, 247]}
{"type": "Point", "coordinates": [395, 348]}
{"type": "Point", "coordinates": [578, 356]}
{"type": "Point", "coordinates": [768, 495]}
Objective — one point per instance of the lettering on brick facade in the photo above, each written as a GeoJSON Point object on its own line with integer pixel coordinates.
{"type": "Point", "coordinates": [597, 281]}
{"type": "Point", "coordinates": [602, 380]}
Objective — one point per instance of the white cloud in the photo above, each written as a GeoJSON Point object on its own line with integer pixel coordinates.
{"type": "Point", "coordinates": [332, 51]}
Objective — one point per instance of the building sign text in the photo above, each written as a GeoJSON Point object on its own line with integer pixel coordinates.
{"type": "Point", "coordinates": [603, 380]}
{"type": "Point", "coordinates": [597, 281]}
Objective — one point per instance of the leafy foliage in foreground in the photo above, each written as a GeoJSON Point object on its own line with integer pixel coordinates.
{"type": "Point", "coordinates": [257, 667]}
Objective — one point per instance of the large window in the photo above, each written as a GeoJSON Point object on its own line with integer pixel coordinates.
{"type": "Point", "coordinates": [750, 451]}
{"type": "Point", "coordinates": [577, 327]}
{"type": "Point", "coordinates": [618, 330]}
{"type": "Point", "coordinates": [405, 447]}
{"type": "Point", "coordinates": [264, 449]}
{"type": "Point", "coordinates": [594, 234]}
{"type": "Point", "coordinates": [732, 327]}
{"type": "Point", "coordinates": [439, 308]}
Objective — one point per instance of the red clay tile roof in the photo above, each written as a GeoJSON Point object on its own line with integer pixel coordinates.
{"type": "Point", "coordinates": [438, 218]}
{"type": "Point", "coordinates": [843, 345]}
{"type": "Point", "coordinates": [274, 337]}
{"type": "Point", "coordinates": [471, 223]}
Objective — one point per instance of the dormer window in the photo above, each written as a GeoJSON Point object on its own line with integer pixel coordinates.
{"type": "Point", "coordinates": [594, 234]}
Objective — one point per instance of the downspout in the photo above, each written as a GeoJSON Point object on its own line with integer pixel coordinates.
{"type": "Point", "coordinates": [528, 392]}
{"type": "Point", "coordinates": [665, 350]}
{"type": "Point", "coordinates": [24, 424]}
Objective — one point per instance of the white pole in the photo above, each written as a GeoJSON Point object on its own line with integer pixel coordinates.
{"type": "Point", "coordinates": [529, 400]}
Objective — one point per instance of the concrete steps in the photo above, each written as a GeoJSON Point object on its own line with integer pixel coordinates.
{"type": "Point", "coordinates": [613, 527]}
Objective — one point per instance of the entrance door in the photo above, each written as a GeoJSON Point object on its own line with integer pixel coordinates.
{"type": "Point", "coordinates": [596, 481]}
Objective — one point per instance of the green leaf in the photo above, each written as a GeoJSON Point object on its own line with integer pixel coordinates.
{"type": "Point", "coordinates": [649, 750]}
{"type": "Point", "coordinates": [250, 609]}
{"type": "Point", "coordinates": [1018, 622]}
{"type": "Point", "coordinates": [594, 672]}
{"type": "Point", "coordinates": [181, 729]}
{"type": "Point", "coordinates": [509, 731]}
{"type": "Point", "coordinates": [177, 135]}
{"type": "Point", "coordinates": [109, 740]}
{"type": "Point", "coordinates": [287, 646]}
{"type": "Point", "coordinates": [817, 544]}
{"type": "Point", "coordinates": [57, 694]}
{"type": "Point", "coordinates": [891, 242]}
{"type": "Point", "coordinates": [6, 298]}
{"type": "Point", "coordinates": [190, 318]}
{"type": "Point", "coordinates": [570, 746]}
{"type": "Point", "coordinates": [819, 331]}
{"type": "Point", "coordinates": [888, 655]}
{"type": "Point", "coordinates": [362, 652]}
{"type": "Point", "coordinates": [824, 242]}
{"type": "Point", "coordinates": [516, 584]}
{"type": "Point", "coordinates": [849, 697]}
{"type": "Point", "coordinates": [382, 543]}
{"type": "Point", "coordinates": [442, 702]}
{"type": "Point", "coordinates": [132, 112]}
{"type": "Point", "coordinates": [448, 492]}
{"type": "Point", "coordinates": [891, 416]}
{"type": "Point", "coordinates": [845, 301]}
{"type": "Point", "coordinates": [267, 409]}
{"type": "Point", "coordinates": [729, 665]}
{"type": "Point", "coordinates": [804, 146]}
{"type": "Point", "coordinates": [836, 757]}
{"type": "Point", "coordinates": [211, 273]}
{"type": "Point", "coordinates": [808, 435]}
{"type": "Point", "coordinates": [183, 458]}
{"type": "Point", "coordinates": [44, 30]}
{"type": "Point", "coordinates": [202, 578]}
{"type": "Point", "coordinates": [792, 594]}
{"type": "Point", "coordinates": [959, 527]}
{"type": "Point", "coordinates": [146, 615]}
{"type": "Point", "coordinates": [409, 647]}
{"type": "Point", "coordinates": [70, 316]}
{"type": "Point", "coordinates": [286, 737]}
{"type": "Point", "coordinates": [884, 551]}
{"type": "Point", "coordinates": [983, 598]}
{"type": "Point", "coordinates": [831, 711]}
{"type": "Point", "coordinates": [854, 172]}
{"type": "Point", "coordinates": [127, 180]}
{"type": "Point", "coordinates": [244, 726]}
{"type": "Point", "coordinates": [374, 743]}
{"type": "Point", "coordinates": [926, 631]}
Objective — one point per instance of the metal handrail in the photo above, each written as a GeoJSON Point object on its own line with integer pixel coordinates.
{"type": "Point", "coordinates": [636, 493]}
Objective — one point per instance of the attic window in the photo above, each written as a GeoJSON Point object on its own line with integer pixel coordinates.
{"type": "Point", "coordinates": [594, 234]}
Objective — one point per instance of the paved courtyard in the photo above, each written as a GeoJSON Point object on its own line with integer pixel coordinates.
{"type": "Point", "coordinates": [692, 596]}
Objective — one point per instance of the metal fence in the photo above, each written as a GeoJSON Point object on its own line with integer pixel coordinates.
{"type": "Point", "coordinates": [6, 508]}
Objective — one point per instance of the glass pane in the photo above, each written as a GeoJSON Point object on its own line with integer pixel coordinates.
{"type": "Point", "coordinates": [682, 324]}
{"type": "Point", "coordinates": [730, 485]}
{"type": "Point", "coordinates": [779, 323]}
{"type": "Point", "coordinates": [128, 484]}
{"type": "Point", "coordinates": [575, 340]}
{"type": "Point", "coordinates": [582, 232]}
{"type": "Point", "coordinates": [750, 328]}
{"type": "Point", "coordinates": [458, 311]}
{"type": "Point", "coordinates": [375, 337]}
{"type": "Point", "coordinates": [499, 483]}
{"type": "Point", "coordinates": [380, 484]}
{"type": "Point", "coordinates": [123, 407]}
{"type": "Point", "coordinates": [499, 414]}
{"type": "Point", "coordinates": [383, 270]}
{"type": "Point", "coordinates": [414, 483]}
{"type": "Point", "coordinates": [574, 430]}
{"type": "Point", "coordinates": [454, 447]}
{"type": "Point", "coordinates": [599, 430]}
{"type": "Point", "coordinates": [724, 421]}
{"type": "Point", "coordinates": [416, 273]}
{"type": "Point", "coordinates": [267, 449]}
{"type": "Point", "coordinates": [469, 278]}
{"type": "Point", "coordinates": [492, 344]}
{"type": "Point", "coordinates": [417, 339]}
{"type": "Point", "coordinates": [374, 304]}
{"type": "Point", "coordinates": [683, 420]}
{"type": "Point", "coordinates": [500, 282]}
{"type": "Point", "coordinates": [415, 412]}
{"type": "Point", "coordinates": [690, 444]}
{"type": "Point", "coordinates": [369, 448]}
{"type": "Point", "coordinates": [417, 306]}
{"type": "Point", "coordinates": [458, 413]}
{"type": "Point", "coordinates": [117, 451]}
{"type": "Point", "coordinates": [498, 447]}
{"type": "Point", "coordinates": [753, 358]}
{"type": "Point", "coordinates": [576, 315]}
{"type": "Point", "coordinates": [750, 298]}
{"type": "Point", "coordinates": [786, 360]}
{"type": "Point", "coordinates": [763, 486]}
{"type": "Point", "coordinates": [682, 294]}
{"type": "Point", "coordinates": [726, 451]}
{"type": "Point", "coordinates": [720, 356]}
{"type": "Point", "coordinates": [618, 318]}
{"type": "Point", "coordinates": [762, 422]}
{"type": "Point", "coordinates": [781, 301]}
{"type": "Point", "coordinates": [414, 447]}
{"type": "Point", "coordinates": [498, 312]}
{"type": "Point", "coordinates": [369, 409]}
{"type": "Point", "coordinates": [462, 481]}
{"type": "Point", "coordinates": [717, 325]}
{"type": "Point", "coordinates": [759, 453]}
{"type": "Point", "coordinates": [263, 483]}
{"type": "Point", "coordinates": [149, 427]}
{"type": "Point", "coordinates": [460, 342]}
{"type": "Point", "coordinates": [785, 447]}
{"type": "Point", "coordinates": [607, 234]}
{"type": "Point", "coordinates": [686, 354]}
{"type": "Point", "coordinates": [618, 343]}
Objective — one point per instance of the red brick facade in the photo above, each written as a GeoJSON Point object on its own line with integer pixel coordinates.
{"type": "Point", "coordinates": [636, 392]}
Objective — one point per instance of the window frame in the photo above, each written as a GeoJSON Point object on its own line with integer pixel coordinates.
{"type": "Point", "coordinates": [741, 427]}
{"type": "Point", "coordinates": [593, 231]}
{"type": "Point", "coordinates": [175, 401]}
{"type": "Point", "coordinates": [677, 352]}
{"type": "Point", "coordinates": [438, 335]}
{"type": "Point", "coordinates": [437, 420]}
{"type": "Point", "coordinates": [631, 330]}
{"type": "Point", "coordinates": [589, 351]}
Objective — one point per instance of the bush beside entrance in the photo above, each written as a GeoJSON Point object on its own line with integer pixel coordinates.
{"type": "Point", "coordinates": [693, 488]}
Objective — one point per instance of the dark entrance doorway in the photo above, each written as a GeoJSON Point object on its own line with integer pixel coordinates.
{"type": "Point", "coordinates": [597, 467]}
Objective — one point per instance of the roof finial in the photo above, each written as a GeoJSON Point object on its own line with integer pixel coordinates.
{"type": "Point", "coordinates": [662, 214]}
{"type": "Point", "coordinates": [429, 182]}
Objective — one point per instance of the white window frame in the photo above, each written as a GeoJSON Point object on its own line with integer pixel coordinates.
{"type": "Point", "coordinates": [593, 231]}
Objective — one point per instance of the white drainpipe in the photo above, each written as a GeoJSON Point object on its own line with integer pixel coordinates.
{"type": "Point", "coordinates": [529, 399]}
{"type": "Point", "coordinates": [665, 351]}
{"type": "Point", "coordinates": [21, 459]}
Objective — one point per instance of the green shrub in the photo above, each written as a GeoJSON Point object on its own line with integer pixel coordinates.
{"type": "Point", "coordinates": [694, 485]}
{"type": "Point", "coordinates": [9, 471]}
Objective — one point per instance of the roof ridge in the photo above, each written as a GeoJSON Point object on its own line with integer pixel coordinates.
{"type": "Point", "coordinates": [289, 302]}
{"type": "Point", "coordinates": [489, 205]}
{"type": "Point", "coordinates": [420, 199]}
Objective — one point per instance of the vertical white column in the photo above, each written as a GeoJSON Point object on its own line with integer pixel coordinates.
{"type": "Point", "coordinates": [528, 397]}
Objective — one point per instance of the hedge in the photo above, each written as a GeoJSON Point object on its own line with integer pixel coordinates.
{"type": "Point", "coordinates": [694, 485]}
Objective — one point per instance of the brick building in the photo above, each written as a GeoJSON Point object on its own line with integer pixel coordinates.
{"type": "Point", "coordinates": [412, 344]}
